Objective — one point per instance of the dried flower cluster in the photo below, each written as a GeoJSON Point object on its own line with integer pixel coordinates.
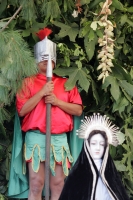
{"type": "Point", "coordinates": [78, 9]}
{"type": "Point", "coordinates": [106, 54]}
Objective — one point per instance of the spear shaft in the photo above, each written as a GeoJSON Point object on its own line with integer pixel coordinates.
{"type": "Point", "coordinates": [48, 141]}
{"type": "Point", "coordinates": [48, 135]}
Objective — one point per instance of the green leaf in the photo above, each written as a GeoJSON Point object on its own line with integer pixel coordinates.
{"type": "Point", "coordinates": [99, 33]}
{"type": "Point", "coordinates": [75, 75]}
{"type": "Point", "coordinates": [131, 72]}
{"type": "Point", "coordinates": [127, 159]}
{"type": "Point", "coordinates": [12, 25]}
{"type": "Point", "coordinates": [130, 9]}
{"type": "Point", "coordinates": [68, 5]}
{"type": "Point", "coordinates": [123, 19]}
{"type": "Point", "coordinates": [130, 22]}
{"type": "Point", "coordinates": [26, 33]}
{"type": "Point", "coordinates": [120, 40]}
{"type": "Point", "coordinates": [119, 72]}
{"type": "Point", "coordinates": [28, 11]}
{"type": "Point", "coordinates": [120, 166]}
{"type": "Point", "coordinates": [91, 35]}
{"type": "Point", "coordinates": [127, 96]}
{"type": "Point", "coordinates": [118, 5]}
{"type": "Point", "coordinates": [95, 93]}
{"type": "Point", "coordinates": [121, 137]}
{"type": "Point", "coordinates": [83, 80]}
{"type": "Point", "coordinates": [64, 71]}
{"type": "Point", "coordinates": [71, 30]}
{"type": "Point", "coordinates": [126, 48]}
{"type": "Point", "coordinates": [78, 75]}
{"type": "Point", "coordinates": [36, 26]}
{"type": "Point", "coordinates": [90, 46]}
{"type": "Point", "coordinates": [79, 64]}
{"type": "Point", "coordinates": [71, 81]}
{"type": "Point", "coordinates": [94, 3]}
{"type": "Point", "coordinates": [2, 24]}
{"type": "Point", "coordinates": [3, 5]}
{"type": "Point", "coordinates": [127, 87]}
{"type": "Point", "coordinates": [120, 105]}
{"type": "Point", "coordinates": [67, 60]}
{"type": "Point", "coordinates": [82, 2]}
{"type": "Point", "coordinates": [129, 133]}
{"type": "Point", "coordinates": [85, 29]}
{"type": "Point", "coordinates": [50, 9]}
{"type": "Point", "coordinates": [4, 115]}
{"type": "Point", "coordinates": [76, 52]}
{"type": "Point", "coordinates": [13, 2]}
{"type": "Point", "coordinates": [115, 90]}
{"type": "Point", "coordinates": [65, 5]}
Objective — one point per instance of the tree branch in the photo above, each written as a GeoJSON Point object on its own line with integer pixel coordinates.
{"type": "Point", "coordinates": [5, 19]}
{"type": "Point", "coordinates": [11, 18]}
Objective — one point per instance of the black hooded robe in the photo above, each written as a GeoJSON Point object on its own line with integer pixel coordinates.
{"type": "Point", "coordinates": [81, 182]}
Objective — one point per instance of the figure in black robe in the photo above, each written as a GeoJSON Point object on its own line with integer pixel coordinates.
{"type": "Point", "coordinates": [81, 184]}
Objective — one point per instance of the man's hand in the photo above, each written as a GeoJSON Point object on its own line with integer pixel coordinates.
{"type": "Point", "coordinates": [70, 108]}
{"type": "Point", "coordinates": [51, 99]}
{"type": "Point", "coordinates": [47, 89]}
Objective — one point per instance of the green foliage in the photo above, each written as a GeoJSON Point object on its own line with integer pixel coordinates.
{"type": "Point", "coordinates": [29, 10]}
{"type": "Point", "coordinates": [48, 12]}
{"type": "Point", "coordinates": [71, 30]}
{"type": "Point", "coordinates": [77, 50]}
{"type": "Point", "coordinates": [16, 62]}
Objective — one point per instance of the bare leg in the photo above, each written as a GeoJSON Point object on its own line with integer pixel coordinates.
{"type": "Point", "coordinates": [36, 182]}
{"type": "Point", "coordinates": [57, 182]}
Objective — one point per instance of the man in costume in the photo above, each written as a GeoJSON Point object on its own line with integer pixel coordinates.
{"type": "Point", "coordinates": [31, 102]}
{"type": "Point", "coordinates": [94, 176]}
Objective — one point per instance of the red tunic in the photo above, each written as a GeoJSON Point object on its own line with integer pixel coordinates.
{"type": "Point", "coordinates": [36, 119]}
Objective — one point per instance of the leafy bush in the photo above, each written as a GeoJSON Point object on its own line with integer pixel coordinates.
{"type": "Point", "coordinates": [78, 46]}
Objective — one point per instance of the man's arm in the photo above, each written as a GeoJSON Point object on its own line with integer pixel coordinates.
{"type": "Point", "coordinates": [70, 108]}
{"type": "Point", "coordinates": [33, 101]}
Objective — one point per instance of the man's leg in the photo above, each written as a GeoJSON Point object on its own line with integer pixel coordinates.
{"type": "Point", "coordinates": [57, 182]}
{"type": "Point", "coordinates": [36, 182]}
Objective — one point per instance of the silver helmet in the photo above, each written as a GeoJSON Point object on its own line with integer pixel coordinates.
{"type": "Point", "coordinates": [45, 47]}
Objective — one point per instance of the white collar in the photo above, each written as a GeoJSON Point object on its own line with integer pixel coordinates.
{"type": "Point", "coordinates": [98, 163]}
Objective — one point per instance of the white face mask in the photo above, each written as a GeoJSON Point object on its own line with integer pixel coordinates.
{"type": "Point", "coordinates": [97, 145]}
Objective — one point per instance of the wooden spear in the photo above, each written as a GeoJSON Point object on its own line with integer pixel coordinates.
{"type": "Point", "coordinates": [48, 134]}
